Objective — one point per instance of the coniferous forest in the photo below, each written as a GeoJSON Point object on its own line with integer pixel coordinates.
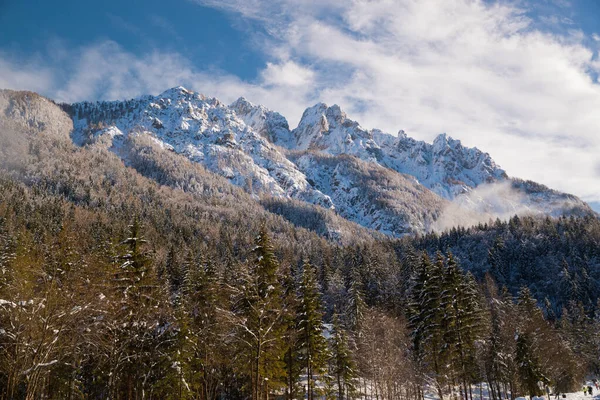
{"type": "Point", "coordinates": [160, 280]}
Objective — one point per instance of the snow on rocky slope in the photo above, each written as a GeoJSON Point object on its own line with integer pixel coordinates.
{"type": "Point", "coordinates": [372, 195]}
{"type": "Point", "coordinates": [446, 167]}
{"type": "Point", "coordinates": [394, 184]}
{"type": "Point", "coordinates": [203, 129]}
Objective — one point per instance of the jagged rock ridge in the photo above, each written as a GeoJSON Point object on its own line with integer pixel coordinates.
{"type": "Point", "coordinates": [394, 184]}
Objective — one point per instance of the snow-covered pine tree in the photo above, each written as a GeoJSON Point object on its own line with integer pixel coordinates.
{"type": "Point", "coordinates": [291, 358]}
{"type": "Point", "coordinates": [174, 270]}
{"type": "Point", "coordinates": [139, 334]}
{"type": "Point", "coordinates": [204, 329]}
{"type": "Point", "coordinates": [499, 268]}
{"type": "Point", "coordinates": [425, 320]}
{"type": "Point", "coordinates": [133, 275]}
{"type": "Point", "coordinates": [7, 254]}
{"type": "Point", "coordinates": [461, 323]}
{"type": "Point", "coordinates": [452, 348]}
{"type": "Point", "coordinates": [355, 305]}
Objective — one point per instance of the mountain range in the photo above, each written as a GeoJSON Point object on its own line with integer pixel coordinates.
{"type": "Point", "coordinates": [328, 164]}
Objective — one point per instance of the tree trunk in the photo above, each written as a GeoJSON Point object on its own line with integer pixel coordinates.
{"type": "Point", "coordinates": [256, 377]}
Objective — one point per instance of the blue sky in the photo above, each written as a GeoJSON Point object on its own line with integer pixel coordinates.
{"type": "Point", "coordinates": [518, 78]}
{"type": "Point", "coordinates": [210, 38]}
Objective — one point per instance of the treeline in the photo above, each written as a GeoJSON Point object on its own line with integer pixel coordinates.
{"type": "Point", "coordinates": [93, 308]}
{"type": "Point", "coordinates": [558, 259]}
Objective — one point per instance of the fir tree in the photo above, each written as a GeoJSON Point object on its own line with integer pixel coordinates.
{"type": "Point", "coordinates": [425, 319]}
{"type": "Point", "coordinates": [527, 343]}
{"type": "Point", "coordinates": [293, 367]}
{"type": "Point", "coordinates": [312, 343]}
{"type": "Point", "coordinates": [204, 330]}
{"type": "Point", "coordinates": [133, 273]}
{"type": "Point", "coordinates": [342, 364]}
{"type": "Point", "coordinates": [140, 336]}
{"type": "Point", "coordinates": [260, 319]}
{"type": "Point", "coordinates": [355, 305]}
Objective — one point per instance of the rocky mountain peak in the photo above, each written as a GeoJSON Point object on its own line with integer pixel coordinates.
{"type": "Point", "coordinates": [330, 130]}
{"type": "Point", "coordinates": [269, 124]}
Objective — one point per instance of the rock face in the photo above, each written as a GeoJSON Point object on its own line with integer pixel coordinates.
{"type": "Point", "coordinates": [393, 184]}
{"type": "Point", "coordinates": [270, 124]}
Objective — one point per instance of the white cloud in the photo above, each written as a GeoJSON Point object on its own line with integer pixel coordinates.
{"type": "Point", "coordinates": [287, 74]}
{"type": "Point", "coordinates": [105, 71]}
{"type": "Point", "coordinates": [478, 71]}
{"type": "Point", "coordinates": [481, 72]}
{"type": "Point", "coordinates": [15, 75]}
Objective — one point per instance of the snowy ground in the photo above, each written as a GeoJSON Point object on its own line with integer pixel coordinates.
{"type": "Point", "coordinates": [478, 394]}
{"type": "Point", "coordinates": [568, 396]}
{"type": "Point", "coordinates": [579, 395]}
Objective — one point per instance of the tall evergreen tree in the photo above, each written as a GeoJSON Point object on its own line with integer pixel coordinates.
{"type": "Point", "coordinates": [355, 305]}
{"type": "Point", "coordinates": [527, 343]}
{"type": "Point", "coordinates": [425, 319]}
{"type": "Point", "coordinates": [204, 329]}
{"type": "Point", "coordinates": [293, 367]}
{"type": "Point", "coordinates": [259, 319]}
{"type": "Point", "coordinates": [133, 275]}
{"type": "Point", "coordinates": [312, 343]}
{"type": "Point", "coordinates": [140, 334]}
{"type": "Point", "coordinates": [342, 364]}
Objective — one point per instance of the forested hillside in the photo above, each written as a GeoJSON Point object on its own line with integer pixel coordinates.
{"type": "Point", "coordinates": [557, 258]}
{"type": "Point", "coordinates": [159, 279]}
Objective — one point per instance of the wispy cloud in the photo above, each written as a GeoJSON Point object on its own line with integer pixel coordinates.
{"type": "Point", "coordinates": [496, 200]}
{"type": "Point", "coordinates": [480, 71]}
{"type": "Point", "coordinates": [105, 71]}
{"type": "Point", "coordinates": [32, 75]}
{"type": "Point", "coordinates": [166, 27]}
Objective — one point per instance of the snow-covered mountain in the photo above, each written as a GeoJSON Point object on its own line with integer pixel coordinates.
{"type": "Point", "coordinates": [394, 184]}
{"type": "Point", "coordinates": [204, 130]}
{"type": "Point", "coordinates": [445, 167]}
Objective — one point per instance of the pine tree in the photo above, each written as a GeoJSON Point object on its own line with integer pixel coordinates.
{"type": "Point", "coordinates": [133, 272]}
{"type": "Point", "coordinates": [355, 305]}
{"type": "Point", "coordinates": [312, 343]}
{"type": "Point", "coordinates": [461, 321]}
{"type": "Point", "coordinates": [425, 319]}
{"type": "Point", "coordinates": [174, 271]}
{"type": "Point", "coordinates": [342, 364]}
{"type": "Point", "coordinates": [140, 332]}
{"type": "Point", "coordinates": [204, 329]}
{"type": "Point", "coordinates": [259, 319]}
{"type": "Point", "coordinates": [293, 367]}
{"type": "Point", "coordinates": [527, 343]}
{"type": "Point", "coordinates": [452, 350]}
{"type": "Point", "coordinates": [529, 365]}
